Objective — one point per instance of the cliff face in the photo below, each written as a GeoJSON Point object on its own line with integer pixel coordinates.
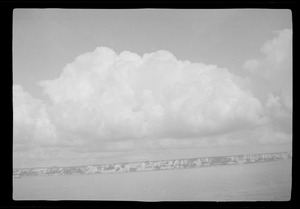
{"type": "Point", "coordinates": [152, 165]}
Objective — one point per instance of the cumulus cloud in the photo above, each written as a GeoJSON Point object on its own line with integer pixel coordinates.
{"type": "Point", "coordinates": [30, 118]}
{"type": "Point", "coordinates": [273, 73]}
{"type": "Point", "coordinates": [106, 96]}
{"type": "Point", "coordinates": [272, 79]}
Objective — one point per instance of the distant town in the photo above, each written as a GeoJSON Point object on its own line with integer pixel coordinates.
{"type": "Point", "coordinates": [152, 165]}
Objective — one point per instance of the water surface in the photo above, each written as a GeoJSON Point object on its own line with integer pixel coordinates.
{"type": "Point", "coordinates": [268, 181]}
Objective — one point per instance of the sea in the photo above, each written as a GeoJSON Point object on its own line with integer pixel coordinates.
{"type": "Point", "coordinates": [266, 181]}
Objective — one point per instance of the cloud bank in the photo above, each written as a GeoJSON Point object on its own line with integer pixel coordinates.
{"type": "Point", "coordinates": [105, 101]}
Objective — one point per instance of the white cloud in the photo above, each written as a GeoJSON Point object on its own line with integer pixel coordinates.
{"type": "Point", "coordinates": [273, 73]}
{"type": "Point", "coordinates": [31, 122]}
{"type": "Point", "coordinates": [115, 97]}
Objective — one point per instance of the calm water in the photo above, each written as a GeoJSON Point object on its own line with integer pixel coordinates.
{"type": "Point", "coordinates": [261, 181]}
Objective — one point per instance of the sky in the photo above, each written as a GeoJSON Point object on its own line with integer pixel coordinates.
{"type": "Point", "coordinates": [102, 86]}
